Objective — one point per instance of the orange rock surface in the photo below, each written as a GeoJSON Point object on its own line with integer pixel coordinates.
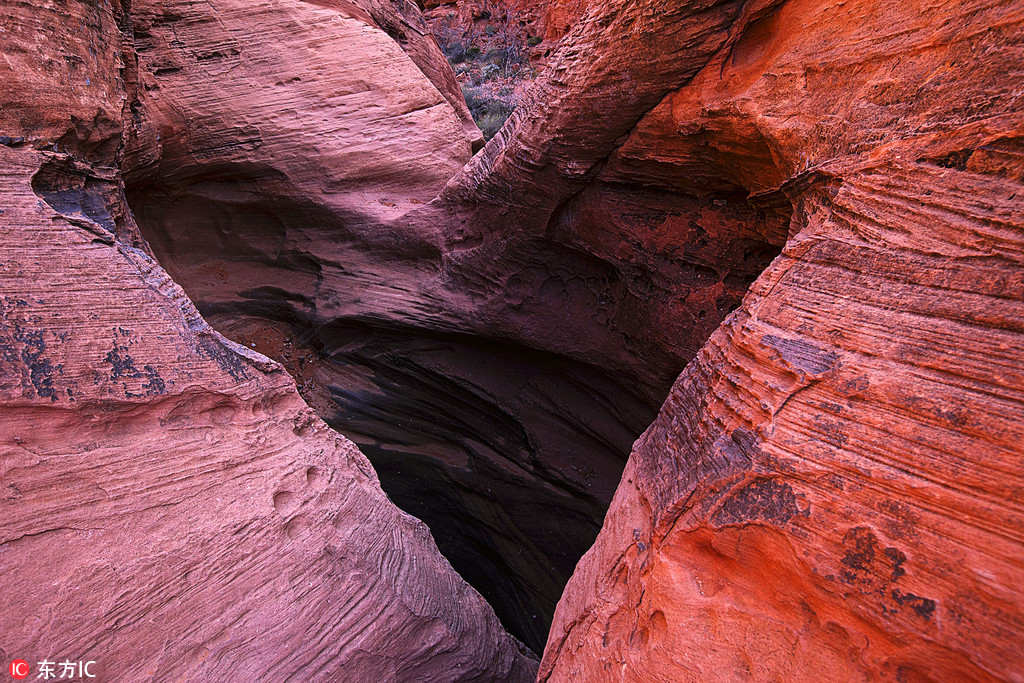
{"type": "Point", "coordinates": [832, 489]}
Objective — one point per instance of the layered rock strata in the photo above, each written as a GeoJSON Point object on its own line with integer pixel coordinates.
{"type": "Point", "coordinates": [171, 507]}
{"type": "Point", "coordinates": [534, 312]}
{"type": "Point", "coordinates": [831, 490]}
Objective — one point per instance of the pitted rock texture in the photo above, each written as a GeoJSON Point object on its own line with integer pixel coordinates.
{"type": "Point", "coordinates": [831, 490]}
{"type": "Point", "coordinates": [171, 508]}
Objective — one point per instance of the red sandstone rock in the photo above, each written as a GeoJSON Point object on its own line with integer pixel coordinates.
{"type": "Point", "coordinates": [559, 16]}
{"type": "Point", "coordinates": [522, 463]}
{"type": "Point", "coordinates": [284, 109]}
{"type": "Point", "coordinates": [171, 508]}
{"type": "Point", "coordinates": [617, 219]}
{"type": "Point", "coordinates": [549, 19]}
{"type": "Point", "coordinates": [830, 491]}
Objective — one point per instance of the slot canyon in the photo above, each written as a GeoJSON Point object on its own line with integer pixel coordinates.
{"type": "Point", "coordinates": [512, 340]}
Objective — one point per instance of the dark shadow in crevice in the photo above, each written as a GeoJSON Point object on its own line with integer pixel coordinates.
{"type": "Point", "coordinates": [509, 453]}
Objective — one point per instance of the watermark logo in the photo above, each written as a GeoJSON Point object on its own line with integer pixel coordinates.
{"type": "Point", "coordinates": [46, 669]}
{"type": "Point", "coordinates": [19, 669]}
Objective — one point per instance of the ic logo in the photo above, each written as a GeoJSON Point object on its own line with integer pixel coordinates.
{"type": "Point", "coordinates": [19, 669]}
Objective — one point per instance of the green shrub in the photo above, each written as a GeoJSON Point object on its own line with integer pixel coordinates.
{"type": "Point", "coordinates": [490, 113]}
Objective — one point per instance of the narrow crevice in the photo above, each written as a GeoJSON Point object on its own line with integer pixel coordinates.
{"type": "Point", "coordinates": [509, 454]}
{"type": "Point", "coordinates": [508, 446]}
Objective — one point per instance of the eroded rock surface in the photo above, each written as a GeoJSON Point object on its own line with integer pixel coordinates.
{"type": "Point", "coordinates": [503, 336]}
{"type": "Point", "coordinates": [831, 490]}
{"type": "Point", "coordinates": [171, 508]}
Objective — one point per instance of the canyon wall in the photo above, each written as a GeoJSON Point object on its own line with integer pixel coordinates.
{"type": "Point", "coordinates": [549, 20]}
{"type": "Point", "coordinates": [171, 507]}
{"type": "Point", "coordinates": [494, 344]}
{"type": "Point", "coordinates": [832, 489]}
{"type": "Point", "coordinates": [811, 211]}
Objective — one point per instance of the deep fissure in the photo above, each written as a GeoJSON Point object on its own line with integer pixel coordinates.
{"type": "Point", "coordinates": [466, 435]}
{"type": "Point", "coordinates": [510, 453]}
{"type": "Point", "coordinates": [828, 486]}
{"type": "Point", "coordinates": [497, 385]}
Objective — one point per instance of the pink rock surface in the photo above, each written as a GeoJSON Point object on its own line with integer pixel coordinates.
{"type": "Point", "coordinates": [171, 508]}
{"type": "Point", "coordinates": [830, 491]}
{"type": "Point", "coordinates": [400, 286]}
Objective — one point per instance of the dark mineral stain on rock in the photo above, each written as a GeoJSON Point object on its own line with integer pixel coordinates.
{"type": "Point", "coordinates": [71, 190]}
{"type": "Point", "coordinates": [898, 558]}
{"type": "Point", "coordinates": [862, 547]}
{"type": "Point", "coordinates": [768, 500]}
{"type": "Point", "coordinates": [924, 607]}
{"type": "Point", "coordinates": [801, 354]}
{"type": "Point", "coordinates": [121, 363]}
{"type": "Point", "coordinates": [122, 366]}
{"type": "Point", "coordinates": [24, 349]}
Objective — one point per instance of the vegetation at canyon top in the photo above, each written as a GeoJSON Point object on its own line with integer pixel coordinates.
{"type": "Point", "coordinates": [490, 53]}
